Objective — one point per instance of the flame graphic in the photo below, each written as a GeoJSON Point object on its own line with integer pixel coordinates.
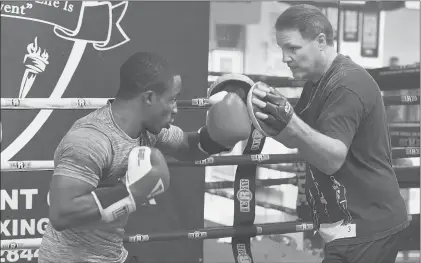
{"type": "Point", "coordinates": [35, 51]}
{"type": "Point", "coordinates": [44, 55]}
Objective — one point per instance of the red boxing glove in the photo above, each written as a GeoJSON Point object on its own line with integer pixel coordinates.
{"type": "Point", "coordinates": [227, 121]}
{"type": "Point", "coordinates": [269, 111]}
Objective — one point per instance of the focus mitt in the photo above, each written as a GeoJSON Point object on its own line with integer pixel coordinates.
{"type": "Point", "coordinates": [269, 111]}
{"type": "Point", "coordinates": [236, 83]}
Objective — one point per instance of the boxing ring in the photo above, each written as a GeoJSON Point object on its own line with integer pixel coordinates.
{"type": "Point", "coordinates": [405, 143]}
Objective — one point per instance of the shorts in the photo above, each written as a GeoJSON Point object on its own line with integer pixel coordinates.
{"type": "Point", "coordinates": [382, 250]}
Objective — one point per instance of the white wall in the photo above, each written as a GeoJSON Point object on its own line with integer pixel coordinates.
{"type": "Point", "coordinates": [399, 36]}
{"type": "Point", "coordinates": [402, 36]}
{"type": "Point", "coordinates": [263, 56]}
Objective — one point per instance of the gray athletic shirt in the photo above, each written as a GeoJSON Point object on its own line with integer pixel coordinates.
{"type": "Point", "coordinates": [95, 151]}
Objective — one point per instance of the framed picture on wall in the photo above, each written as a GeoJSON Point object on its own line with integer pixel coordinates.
{"type": "Point", "coordinates": [230, 37]}
{"type": "Point", "coordinates": [227, 61]}
{"type": "Point", "coordinates": [351, 25]}
{"type": "Point", "coordinates": [370, 34]}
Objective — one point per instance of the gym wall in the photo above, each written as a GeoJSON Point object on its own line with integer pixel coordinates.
{"type": "Point", "coordinates": [257, 52]}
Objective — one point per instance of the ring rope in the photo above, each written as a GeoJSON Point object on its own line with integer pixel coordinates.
{"type": "Point", "coordinates": [30, 165]}
{"type": "Point", "coordinates": [408, 177]}
{"type": "Point", "coordinates": [95, 103]}
{"type": "Point", "coordinates": [259, 183]}
{"type": "Point", "coordinates": [273, 206]}
{"type": "Point", "coordinates": [404, 129]}
{"type": "Point", "coordinates": [388, 78]}
{"type": "Point", "coordinates": [13, 166]}
{"type": "Point", "coordinates": [195, 234]}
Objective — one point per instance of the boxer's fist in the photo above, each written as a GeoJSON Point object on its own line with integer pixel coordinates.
{"type": "Point", "coordinates": [147, 173]}
{"type": "Point", "coordinates": [269, 111]}
{"type": "Point", "coordinates": [228, 121]}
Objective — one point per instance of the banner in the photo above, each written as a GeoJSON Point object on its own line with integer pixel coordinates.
{"type": "Point", "coordinates": [92, 21]}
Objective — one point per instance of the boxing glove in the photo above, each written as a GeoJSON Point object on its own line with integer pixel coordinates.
{"type": "Point", "coordinates": [147, 176]}
{"type": "Point", "coordinates": [227, 123]}
{"type": "Point", "coordinates": [147, 173]}
{"type": "Point", "coordinates": [269, 111]}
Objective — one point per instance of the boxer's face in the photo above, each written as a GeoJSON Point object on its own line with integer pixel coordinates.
{"type": "Point", "coordinates": [164, 107]}
{"type": "Point", "coordinates": [303, 56]}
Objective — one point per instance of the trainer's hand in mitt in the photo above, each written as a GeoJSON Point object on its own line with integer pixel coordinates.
{"type": "Point", "coordinates": [269, 111]}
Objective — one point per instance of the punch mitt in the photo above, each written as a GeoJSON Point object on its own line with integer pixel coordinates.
{"type": "Point", "coordinates": [235, 83]}
{"type": "Point", "coordinates": [269, 111]}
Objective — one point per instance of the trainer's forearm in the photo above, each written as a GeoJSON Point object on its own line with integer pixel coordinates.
{"type": "Point", "coordinates": [323, 152]}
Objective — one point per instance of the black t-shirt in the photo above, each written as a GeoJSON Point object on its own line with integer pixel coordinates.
{"type": "Point", "coordinates": [346, 104]}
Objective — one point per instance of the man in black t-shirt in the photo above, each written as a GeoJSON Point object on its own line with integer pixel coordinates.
{"type": "Point", "coordinates": [340, 128]}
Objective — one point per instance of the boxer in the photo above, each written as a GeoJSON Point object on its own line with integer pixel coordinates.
{"type": "Point", "coordinates": [112, 160]}
{"type": "Point", "coordinates": [340, 128]}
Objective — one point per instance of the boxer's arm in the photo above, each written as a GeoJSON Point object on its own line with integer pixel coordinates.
{"type": "Point", "coordinates": [183, 146]}
{"type": "Point", "coordinates": [79, 162]}
{"type": "Point", "coordinates": [327, 147]}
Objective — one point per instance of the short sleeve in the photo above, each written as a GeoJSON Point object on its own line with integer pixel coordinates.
{"type": "Point", "coordinates": [341, 115]}
{"type": "Point", "coordinates": [170, 140]}
{"type": "Point", "coordinates": [83, 154]}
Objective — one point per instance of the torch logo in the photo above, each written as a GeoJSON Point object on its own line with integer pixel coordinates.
{"type": "Point", "coordinates": [35, 63]}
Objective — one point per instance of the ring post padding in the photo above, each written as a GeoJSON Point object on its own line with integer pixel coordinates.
{"type": "Point", "coordinates": [244, 197]}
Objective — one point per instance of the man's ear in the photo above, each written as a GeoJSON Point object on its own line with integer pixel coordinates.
{"type": "Point", "coordinates": [148, 97]}
{"type": "Point", "coordinates": [321, 40]}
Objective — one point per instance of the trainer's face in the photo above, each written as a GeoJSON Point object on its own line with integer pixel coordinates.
{"type": "Point", "coordinates": [302, 56]}
{"type": "Point", "coordinates": [164, 108]}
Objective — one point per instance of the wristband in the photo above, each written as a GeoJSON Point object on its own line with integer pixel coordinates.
{"type": "Point", "coordinates": [209, 146]}
{"type": "Point", "coordinates": [114, 202]}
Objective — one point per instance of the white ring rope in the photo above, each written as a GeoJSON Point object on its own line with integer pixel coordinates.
{"type": "Point", "coordinates": [27, 166]}
{"type": "Point", "coordinates": [46, 103]}
{"type": "Point", "coordinates": [58, 103]}
{"type": "Point", "coordinates": [27, 243]}
{"type": "Point", "coordinates": [33, 166]}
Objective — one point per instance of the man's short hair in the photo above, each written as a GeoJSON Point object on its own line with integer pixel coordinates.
{"type": "Point", "coordinates": [141, 72]}
{"type": "Point", "coordinates": [308, 19]}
